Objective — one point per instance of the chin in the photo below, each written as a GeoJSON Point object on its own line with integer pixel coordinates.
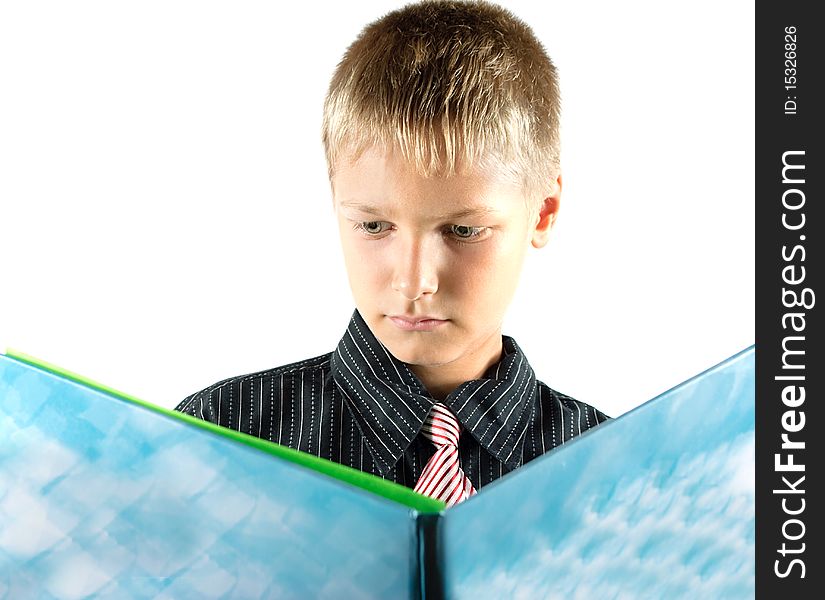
{"type": "Point", "coordinates": [419, 349]}
{"type": "Point", "coordinates": [422, 358]}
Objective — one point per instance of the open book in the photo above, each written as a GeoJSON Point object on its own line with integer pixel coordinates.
{"type": "Point", "coordinates": [104, 494]}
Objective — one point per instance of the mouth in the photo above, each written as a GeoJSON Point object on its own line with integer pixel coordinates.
{"type": "Point", "coordinates": [422, 323]}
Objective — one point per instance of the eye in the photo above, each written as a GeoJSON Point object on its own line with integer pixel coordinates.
{"type": "Point", "coordinates": [373, 227]}
{"type": "Point", "coordinates": [465, 232]}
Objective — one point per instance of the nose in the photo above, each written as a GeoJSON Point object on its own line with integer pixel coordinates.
{"type": "Point", "coordinates": [415, 270]}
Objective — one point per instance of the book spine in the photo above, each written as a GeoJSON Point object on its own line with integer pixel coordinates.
{"type": "Point", "coordinates": [430, 577]}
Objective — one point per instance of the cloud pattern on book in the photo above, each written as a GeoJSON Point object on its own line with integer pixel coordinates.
{"type": "Point", "coordinates": [657, 505]}
{"type": "Point", "coordinates": [631, 544]}
{"type": "Point", "coordinates": [102, 497]}
{"type": "Point", "coordinates": [127, 503]}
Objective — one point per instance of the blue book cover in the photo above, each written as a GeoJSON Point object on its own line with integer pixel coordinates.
{"type": "Point", "coordinates": [658, 503]}
{"type": "Point", "coordinates": [102, 495]}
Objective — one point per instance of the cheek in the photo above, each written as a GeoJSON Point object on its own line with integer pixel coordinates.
{"type": "Point", "coordinates": [366, 267]}
{"type": "Point", "coordinates": [471, 278]}
{"type": "Point", "coordinates": [488, 280]}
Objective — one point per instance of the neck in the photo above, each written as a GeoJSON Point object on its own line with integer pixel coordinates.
{"type": "Point", "coordinates": [441, 380]}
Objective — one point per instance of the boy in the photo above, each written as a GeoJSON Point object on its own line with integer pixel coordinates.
{"type": "Point", "coordinates": [441, 137]}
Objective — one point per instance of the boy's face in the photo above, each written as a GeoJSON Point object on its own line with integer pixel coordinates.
{"type": "Point", "coordinates": [433, 263]}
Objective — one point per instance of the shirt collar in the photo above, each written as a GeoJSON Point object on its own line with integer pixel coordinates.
{"type": "Point", "coordinates": [389, 403]}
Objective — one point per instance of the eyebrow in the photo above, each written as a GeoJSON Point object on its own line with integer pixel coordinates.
{"type": "Point", "coordinates": [363, 207]}
{"type": "Point", "coordinates": [478, 211]}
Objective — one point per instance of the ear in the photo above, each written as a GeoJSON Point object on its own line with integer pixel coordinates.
{"type": "Point", "coordinates": [547, 216]}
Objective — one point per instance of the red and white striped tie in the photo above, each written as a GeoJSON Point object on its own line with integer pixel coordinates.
{"type": "Point", "coordinates": [442, 478]}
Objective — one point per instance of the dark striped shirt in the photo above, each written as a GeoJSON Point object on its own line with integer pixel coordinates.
{"type": "Point", "coordinates": [361, 407]}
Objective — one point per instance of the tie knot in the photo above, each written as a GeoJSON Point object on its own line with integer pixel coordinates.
{"type": "Point", "coordinates": [441, 426]}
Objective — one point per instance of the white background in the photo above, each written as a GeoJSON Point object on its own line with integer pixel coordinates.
{"type": "Point", "coordinates": [165, 216]}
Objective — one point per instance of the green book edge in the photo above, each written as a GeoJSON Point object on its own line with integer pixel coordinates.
{"type": "Point", "coordinates": [381, 487]}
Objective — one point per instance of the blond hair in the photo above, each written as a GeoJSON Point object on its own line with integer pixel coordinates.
{"type": "Point", "coordinates": [452, 85]}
